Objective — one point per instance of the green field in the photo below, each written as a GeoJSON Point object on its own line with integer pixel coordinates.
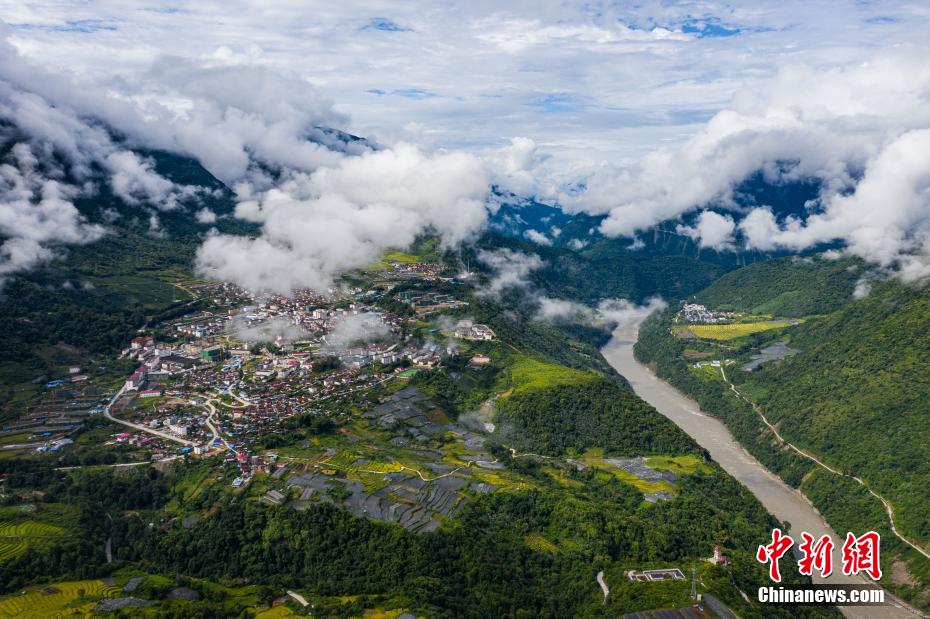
{"type": "Point", "coordinates": [16, 537]}
{"type": "Point", "coordinates": [399, 256]}
{"type": "Point", "coordinates": [150, 293]}
{"type": "Point", "coordinates": [527, 374]}
{"type": "Point", "coordinates": [680, 465]}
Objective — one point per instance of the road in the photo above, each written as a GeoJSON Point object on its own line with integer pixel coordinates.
{"type": "Point", "coordinates": [139, 427]}
{"type": "Point", "coordinates": [600, 581]}
{"type": "Point", "coordinates": [210, 424]}
{"type": "Point", "coordinates": [786, 503]}
{"type": "Point", "coordinates": [888, 507]}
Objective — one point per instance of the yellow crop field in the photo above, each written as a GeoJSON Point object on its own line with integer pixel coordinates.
{"type": "Point", "coordinates": [58, 600]}
{"type": "Point", "coordinates": [16, 537]}
{"type": "Point", "coordinates": [729, 332]}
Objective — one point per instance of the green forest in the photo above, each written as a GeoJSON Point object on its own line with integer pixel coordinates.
{"type": "Point", "coordinates": [855, 395]}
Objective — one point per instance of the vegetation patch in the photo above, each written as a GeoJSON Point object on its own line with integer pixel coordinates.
{"type": "Point", "coordinates": [528, 374]}
{"type": "Point", "coordinates": [539, 543]}
{"type": "Point", "coordinates": [680, 465]}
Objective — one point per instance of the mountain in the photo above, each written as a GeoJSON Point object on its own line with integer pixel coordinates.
{"type": "Point", "coordinates": [857, 394]}
{"type": "Point", "coordinates": [854, 393]}
{"type": "Point", "coordinates": [611, 269]}
{"type": "Point", "coordinates": [789, 286]}
{"type": "Point", "coordinates": [90, 298]}
{"type": "Point", "coordinates": [549, 225]}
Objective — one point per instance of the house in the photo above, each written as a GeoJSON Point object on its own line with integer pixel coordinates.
{"type": "Point", "coordinates": [143, 341]}
{"type": "Point", "coordinates": [177, 363]}
{"type": "Point", "coordinates": [136, 379]}
{"type": "Point", "coordinates": [480, 360]}
{"type": "Point", "coordinates": [178, 428]}
{"type": "Point", "coordinates": [719, 558]}
{"type": "Point", "coordinates": [213, 354]}
{"type": "Point", "coordinates": [467, 330]}
{"type": "Point", "coordinates": [150, 393]}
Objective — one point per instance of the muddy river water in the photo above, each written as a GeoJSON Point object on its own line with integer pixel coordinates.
{"type": "Point", "coordinates": [781, 500]}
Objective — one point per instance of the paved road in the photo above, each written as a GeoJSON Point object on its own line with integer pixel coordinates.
{"type": "Point", "coordinates": [600, 581]}
{"type": "Point", "coordinates": [889, 509]}
{"type": "Point", "coordinates": [212, 427]}
{"type": "Point", "coordinates": [786, 503]}
{"type": "Point", "coordinates": [139, 427]}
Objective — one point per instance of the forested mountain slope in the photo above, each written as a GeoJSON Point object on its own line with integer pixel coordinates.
{"type": "Point", "coordinates": [855, 394]}
{"type": "Point", "coordinates": [789, 286]}
{"type": "Point", "coordinates": [858, 393]}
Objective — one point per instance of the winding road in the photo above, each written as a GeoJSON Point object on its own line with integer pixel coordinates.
{"type": "Point", "coordinates": [786, 503]}
{"type": "Point", "coordinates": [888, 507]}
{"type": "Point", "coordinates": [139, 427]}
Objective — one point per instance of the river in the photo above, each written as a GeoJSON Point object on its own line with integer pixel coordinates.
{"type": "Point", "coordinates": [782, 501]}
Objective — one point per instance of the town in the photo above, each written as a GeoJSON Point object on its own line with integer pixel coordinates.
{"type": "Point", "coordinates": [216, 380]}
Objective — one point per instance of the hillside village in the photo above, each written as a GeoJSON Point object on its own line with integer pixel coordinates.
{"type": "Point", "coordinates": [216, 380]}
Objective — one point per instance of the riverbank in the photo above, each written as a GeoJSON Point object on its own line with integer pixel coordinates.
{"type": "Point", "coordinates": [786, 503]}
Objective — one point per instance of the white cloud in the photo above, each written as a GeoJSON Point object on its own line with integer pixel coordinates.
{"type": "Point", "coordinates": [134, 180]}
{"type": "Point", "coordinates": [510, 270]}
{"type": "Point", "coordinates": [351, 330]}
{"type": "Point", "coordinates": [623, 312]}
{"type": "Point", "coordinates": [633, 73]}
{"type": "Point", "coordinates": [316, 226]}
{"type": "Point", "coordinates": [554, 310]}
{"type": "Point", "coordinates": [205, 216]}
{"type": "Point", "coordinates": [593, 85]}
{"type": "Point", "coordinates": [863, 131]}
{"type": "Point", "coordinates": [267, 330]}
{"type": "Point", "coordinates": [612, 312]}
{"type": "Point", "coordinates": [538, 237]}
{"type": "Point", "coordinates": [711, 230]}
{"type": "Point", "coordinates": [36, 214]}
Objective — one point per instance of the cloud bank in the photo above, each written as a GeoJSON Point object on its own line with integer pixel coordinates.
{"type": "Point", "coordinates": [611, 312]}
{"type": "Point", "coordinates": [318, 225]}
{"type": "Point", "coordinates": [267, 330]}
{"type": "Point", "coordinates": [36, 214]}
{"type": "Point", "coordinates": [355, 329]}
{"type": "Point", "coordinates": [862, 131]}
{"type": "Point", "coordinates": [510, 269]}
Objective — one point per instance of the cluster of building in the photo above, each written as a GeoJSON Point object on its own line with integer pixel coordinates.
{"type": "Point", "coordinates": [415, 270]}
{"type": "Point", "coordinates": [695, 312]}
{"type": "Point", "coordinates": [468, 330]}
{"type": "Point", "coordinates": [426, 303]}
{"type": "Point", "coordinates": [220, 363]}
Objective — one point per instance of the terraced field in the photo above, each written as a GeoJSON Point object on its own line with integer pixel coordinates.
{"type": "Point", "coordinates": [66, 599]}
{"type": "Point", "coordinates": [15, 537]}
